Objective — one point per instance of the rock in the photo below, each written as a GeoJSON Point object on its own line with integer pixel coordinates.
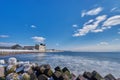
{"type": "Point", "coordinates": [57, 75]}
{"type": "Point", "coordinates": [65, 69]}
{"type": "Point", "coordinates": [2, 78]}
{"type": "Point", "coordinates": [80, 77]}
{"type": "Point", "coordinates": [25, 76]}
{"type": "Point", "coordinates": [2, 61]}
{"type": "Point", "coordinates": [12, 76]}
{"type": "Point", "coordinates": [87, 75]}
{"type": "Point", "coordinates": [11, 69]}
{"type": "Point", "coordinates": [47, 66]}
{"type": "Point", "coordinates": [2, 71]}
{"type": "Point", "coordinates": [57, 69]}
{"type": "Point", "coordinates": [42, 77]}
{"type": "Point", "coordinates": [12, 61]}
{"type": "Point", "coordinates": [65, 77]}
{"type": "Point", "coordinates": [73, 76]}
{"type": "Point", "coordinates": [96, 76]}
{"type": "Point", "coordinates": [42, 69]}
{"type": "Point", "coordinates": [109, 77]}
{"type": "Point", "coordinates": [118, 79]}
{"type": "Point", "coordinates": [48, 72]}
{"type": "Point", "coordinates": [33, 76]}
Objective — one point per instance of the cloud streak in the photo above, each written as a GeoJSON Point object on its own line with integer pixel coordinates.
{"type": "Point", "coordinates": [4, 36]}
{"type": "Point", "coordinates": [91, 12]}
{"type": "Point", "coordinates": [90, 27]}
{"type": "Point", "coordinates": [38, 39]}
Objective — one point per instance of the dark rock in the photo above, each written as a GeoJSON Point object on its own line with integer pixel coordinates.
{"type": "Point", "coordinates": [80, 77]}
{"type": "Point", "coordinates": [73, 76]}
{"type": "Point", "coordinates": [65, 77]}
{"type": "Point", "coordinates": [33, 76]}
{"type": "Point", "coordinates": [87, 75]}
{"type": "Point", "coordinates": [42, 77]}
{"type": "Point", "coordinates": [118, 79]}
{"type": "Point", "coordinates": [48, 72]}
{"type": "Point", "coordinates": [57, 68]}
{"type": "Point", "coordinates": [57, 75]}
{"type": "Point", "coordinates": [47, 66]}
{"type": "Point", "coordinates": [96, 76]}
{"type": "Point", "coordinates": [109, 77]}
{"type": "Point", "coordinates": [65, 69]}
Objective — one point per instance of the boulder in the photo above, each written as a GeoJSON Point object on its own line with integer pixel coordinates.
{"type": "Point", "coordinates": [87, 75]}
{"type": "Point", "coordinates": [73, 76]}
{"type": "Point", "coordinates": [48, 72]}
{"type": "Point", "coordinates": [12, 76]}
{"type": "Point", "coordinates": [12, 61]}
{"type": "Point", "coordinates": [2, 71]}
{"type": "Point", "coordinates": [96, 76]}
{"type": "Point", "coordinates": [57, 75]}
{"type": "Point", "coordinates": [57, 69]}
{"type": "Point", "coordinates": [25, 76]}
{"type": "Point", "coordinates": [109, 77]}
{"type": "Point", "coordinates": [11, 69]}
{"type": "Point", "coordinates": [65, 77]}
{"type": "Point", "coordinates": [80, 77]}
{"type": "Point", "coordinates": [42, 77]}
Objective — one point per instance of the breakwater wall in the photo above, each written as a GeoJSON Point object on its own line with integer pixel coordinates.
{"type": "Point", "coordinates": [13, 51]}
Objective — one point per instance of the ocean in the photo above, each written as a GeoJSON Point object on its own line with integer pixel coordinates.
{"type": "Point", "coordinates": [77, 62]}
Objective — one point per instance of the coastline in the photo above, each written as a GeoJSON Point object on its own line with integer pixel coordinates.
{"type": "Point", "coordinates": [19, 70]}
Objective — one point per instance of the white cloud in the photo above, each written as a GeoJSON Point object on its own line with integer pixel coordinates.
{"type": "Point", "coordinates": [118, 32]}
{"type": "Point", "coordinates": [112, 21]}
{"type": "Point", "coordinates": [33, 26]}
{"type": "Point", "coordinates": [74, 25]}
{"type": "Point", "coordinates": [4, 36]}
{"type": "Point", "coordinates": [6, 44]}
{"type": "Point", "coordinates": [94, 11]}
{"type": "Point", "coordinates": [38, 39]}
{"type": "Point", "coordinates": [90, 27]}
{"type": "Point", "coordinates": [57, 44]}
{"type": "Point", "coordinates": [117, 39]}
{"type": "Point", "coordinates": [103, 43]}
{"type": "Point", "coordinates": [113, 9]}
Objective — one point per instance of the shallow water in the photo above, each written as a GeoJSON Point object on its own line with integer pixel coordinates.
{"type": "Point", "coordinates": [77, 62]}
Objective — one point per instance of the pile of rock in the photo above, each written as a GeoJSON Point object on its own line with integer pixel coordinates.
{"type": "Point", "coordinates": [19, 70]}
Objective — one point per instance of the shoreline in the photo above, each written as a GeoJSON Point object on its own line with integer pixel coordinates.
{"type": "Point", "coordinates": [13, 67]}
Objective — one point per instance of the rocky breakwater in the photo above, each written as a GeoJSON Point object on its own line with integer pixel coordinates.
{"type": "Point", "coordinates": [19, 70]}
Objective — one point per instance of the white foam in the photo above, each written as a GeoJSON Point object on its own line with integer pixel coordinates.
{"type": "Point", "coordinates": [78, 64]}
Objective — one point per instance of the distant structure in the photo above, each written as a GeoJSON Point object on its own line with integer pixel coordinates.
{"type": "Point", "coordinates": [29, 47]}
{"type": "Point", "coordinates": [41, 47]}
{"type": "Point", "coordinates": [16, 46]}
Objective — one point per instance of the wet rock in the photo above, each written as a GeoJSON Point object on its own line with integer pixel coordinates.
{"type": "Point", "coordinates": [96, 76]}
{"type": "Point", "coordinates": [109, 77]}
{"type": "Point", "coordinates": [57, 69]}
{"type": "Point", "coordinates": [118, 79]}
{"type": "Point", "coordinates": [12, 76]}
{"type": "Point", "coordinates": [65, 77]}
{"type": "Point", "coordinates": [25, 76]}
{"type": "Point", "coordinates": [73, 76]}
{"type": "Point", "coordinates": [11, 69]}
{"type": "Point", "coordinates": [42, 77]}
{"type": "Point", "coordinates": [66, 71]}
{"type": "Point", "coordinates": [48, 72]}
{"type": "Point", "coordinates": [12, 61]}
{"type": "Point", "coordinates": [33, 76]}
{"type": "Point", "coordinates": [2, 71]}
{"type": "Point", "coordinates": [80, 77]}
{"type": "Point", "coordinates": [57, 75]}
{"type": "Point", "coordinates": [47, 66]}
{"type": "Point", "coordinates": [87, 75]}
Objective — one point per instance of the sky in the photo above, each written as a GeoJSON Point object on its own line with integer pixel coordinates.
{"type": "Point", "coordinates": [76, 25]}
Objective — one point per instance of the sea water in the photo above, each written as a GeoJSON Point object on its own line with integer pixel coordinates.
{"type": "Point", "coordinates": [77, 62]}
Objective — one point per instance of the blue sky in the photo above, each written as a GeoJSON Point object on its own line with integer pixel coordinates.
{"type": "Point", "coordinates": [88, 25]}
